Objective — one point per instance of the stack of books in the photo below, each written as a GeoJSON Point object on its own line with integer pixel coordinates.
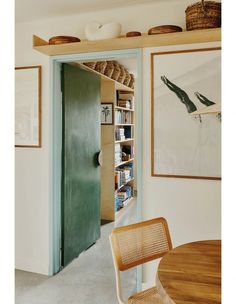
{"type": "Point", "coordinates": [120, 134]}
{"type": "Point", "coordinates": [124, 103]}
{"type": "Point", "coordinates": [129, 167]}
{"type": "Point", "coordinates": [123, 175]}
{"type": "Point", "coordinates": [125, 99]}
{"type": "Point", "coordinates": [128, 190]}
{"type": "Point", "coordinates": [121, 197]}
{"type": "Point", "coordinates": [122, 117]}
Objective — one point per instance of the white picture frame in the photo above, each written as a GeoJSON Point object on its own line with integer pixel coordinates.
{"type": "Point", "coordinates": [28, 107]}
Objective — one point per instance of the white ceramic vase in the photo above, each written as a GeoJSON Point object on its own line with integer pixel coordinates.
{"type": "Point", "coordinates": [98, 31]}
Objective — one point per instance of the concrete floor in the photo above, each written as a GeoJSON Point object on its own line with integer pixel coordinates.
{"type": "Point", "coordinates": [89, 279]}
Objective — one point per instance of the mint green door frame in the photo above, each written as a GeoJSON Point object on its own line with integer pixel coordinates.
{"type": "Point", "coordinates": [55, 143]}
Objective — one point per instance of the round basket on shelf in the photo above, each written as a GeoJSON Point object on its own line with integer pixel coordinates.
{"type": "Point", "coordinates": [63, 39]}
{"type": "Point", "coordinates": [127, 78]}
{"type": "Point", "coordinates": [101, 66]}
{"type": "Point", "coordinates": [131, 83]}
{"type": "Point", "coordinates": [122, 74]}
{"type": "Point", "coordinates": [116, 73]}
{"type": "Point", "coordinates": [91, 64]}
{"type": "Point", "coordinates": [133, 34]}
{"type": "Point", "coordinates": [203, 15]}
{"type": "Point", "coordinates": [164, 29]}
{"type": "Point", "coordinates": [109, 69]}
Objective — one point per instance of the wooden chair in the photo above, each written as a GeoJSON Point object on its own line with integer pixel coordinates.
{"type": "Point", "coordinates": [134, 245]}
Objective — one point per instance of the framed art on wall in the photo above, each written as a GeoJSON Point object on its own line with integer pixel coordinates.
{"type": "Point", "coordinates": [182, 144]}
{"type": "Point", "coordinates": [28, 106]}
{"type": "Point", "coordinates": [107, 113]}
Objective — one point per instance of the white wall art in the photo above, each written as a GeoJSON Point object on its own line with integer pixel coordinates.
{"type": "Point", "coordinates": [186, 145]}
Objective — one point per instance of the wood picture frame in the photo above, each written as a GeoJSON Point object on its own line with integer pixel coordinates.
{"type": "Point", "coordinates": [192, 76]}
{"type": "Point", "coordinates": [28, 108]}
{"type": "Point", "coordinates": [107, 115]}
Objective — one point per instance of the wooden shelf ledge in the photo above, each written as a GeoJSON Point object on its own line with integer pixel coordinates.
{"type": "Point", "coordinates": [127, 182]}
{"type": "Point", "coordinates": [124, 162]}
{"type": "Point", "coordinates": [124, 140]}
{"type": "Point", "coordinates": [185, 37]}
{"type": "Point", "coordinates": [124, 109]}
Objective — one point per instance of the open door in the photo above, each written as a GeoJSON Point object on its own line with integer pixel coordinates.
{"type": "Point", "coordinates": [80, 204]}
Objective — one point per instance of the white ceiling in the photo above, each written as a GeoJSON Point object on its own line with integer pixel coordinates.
{"type": "Point", "coordinates": [28, 10]}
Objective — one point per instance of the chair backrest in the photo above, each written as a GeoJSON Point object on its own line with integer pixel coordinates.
{"type": "Point", "coordinates": [136, 244]}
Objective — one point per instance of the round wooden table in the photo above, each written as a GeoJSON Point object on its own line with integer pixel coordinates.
{"type": "Point", "coordinates": [191, 274]}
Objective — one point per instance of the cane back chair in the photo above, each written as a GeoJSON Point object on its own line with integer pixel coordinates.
{"type": "Point", "coordinates": [134, 245]}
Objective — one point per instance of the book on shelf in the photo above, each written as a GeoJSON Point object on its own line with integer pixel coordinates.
{"type": "Point", "coordinates": [123, 133]}
{"type": "Point", "coordinates": [118, 154]}
{"type": "Point", "coordinates": [124, 104]}
{"type": "Point", "coordinates": [123, 117]}
{"type": "Point", "coordinates": [125, 99]}
{"type": "Point", "coordinates": [122, 197]}
{"type": "Point", "coordinates": [128, 132]}
{"type": "Point", "coordinates": [119, 134]}
{"type": "Point", "coordinates": [123, 174]}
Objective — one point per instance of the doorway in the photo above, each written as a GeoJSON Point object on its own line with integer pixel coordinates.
{"type": "Point", "coordinates": [56, 62]}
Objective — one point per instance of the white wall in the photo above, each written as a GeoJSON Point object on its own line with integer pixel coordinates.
{"type": "Point", "coordinates": [192, 207]}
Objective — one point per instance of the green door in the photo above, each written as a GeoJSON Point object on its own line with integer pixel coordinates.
{"type": "Point", "coordinates": [80, 169]}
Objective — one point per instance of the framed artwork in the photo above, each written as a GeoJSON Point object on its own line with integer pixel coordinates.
{"type": "Point", "coordinates": [185, 145]}
{"type": "Point", "coordinates": [28, 106]}
{"type": "Point", "coordinates": [107, 113]}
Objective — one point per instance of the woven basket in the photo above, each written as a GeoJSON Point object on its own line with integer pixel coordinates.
{"type": "Point", "coordinates": [109, 69]}
{"type": "Point", "coordinates": [116, 73]}
{"type": "Point", "coordinates": [122, 74]}
{"type": "Point", "coordinates": [100, 66]}
{"type": "Point", "coordinates": [127, 78]}
{"type": "Point", "coordinates": [91, 64]}
{"type": "Point", "coordinates": [203, 15]}
{"type": "Point", "coordinates": [131, 83]}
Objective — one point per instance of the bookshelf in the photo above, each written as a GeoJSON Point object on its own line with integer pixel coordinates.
{"type": "Point", "coordinates": [117, 143]}
{"type": "Point", "coordinates": [124, 150]}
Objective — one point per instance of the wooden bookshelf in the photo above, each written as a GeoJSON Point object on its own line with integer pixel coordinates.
{"type": "Point", "coordinates": [125, 114]}
{"type": "Point", "coordinates": [185, 37]}
{"type": "Point", "coordinates": [109, 89]}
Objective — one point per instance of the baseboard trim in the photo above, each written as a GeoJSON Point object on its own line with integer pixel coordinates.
{"type": "Point", "coordinates": [31, 265]}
